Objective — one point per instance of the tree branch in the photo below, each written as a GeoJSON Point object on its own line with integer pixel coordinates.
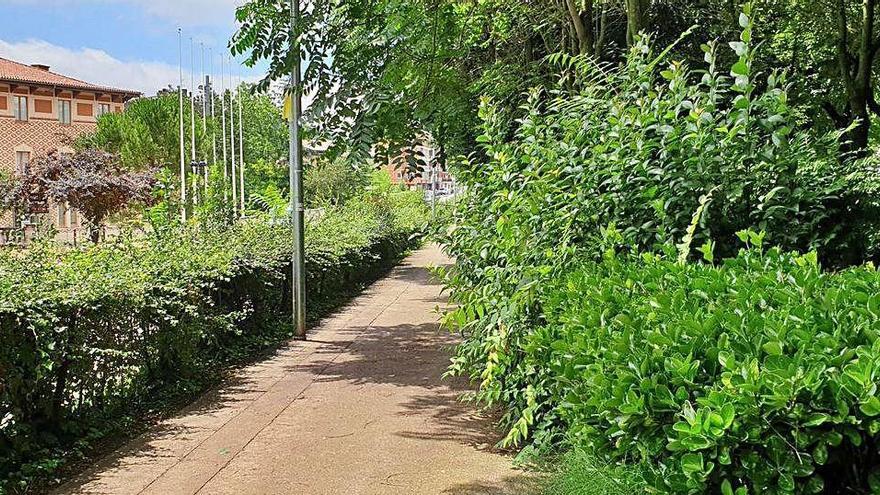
{"type": "Point", "coordinates": [835, 116]}
{"type": "Point", "coordinates": [581, 31]}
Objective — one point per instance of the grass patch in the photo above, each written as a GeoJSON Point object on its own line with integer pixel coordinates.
{"type": "Point", "coordinates": [579, 472]}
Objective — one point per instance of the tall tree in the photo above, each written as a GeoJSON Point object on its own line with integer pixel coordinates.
{"type": "Point", "coordinates": [856, 58]}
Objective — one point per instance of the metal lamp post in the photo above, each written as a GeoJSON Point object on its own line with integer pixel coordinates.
{"type": "Point", "coordinates": [295, 163]}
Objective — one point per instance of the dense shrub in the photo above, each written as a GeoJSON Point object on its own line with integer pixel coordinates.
{"type": "Point", "coordinates": [333, 182]}
{"type": "Point", "coordinates": [642, 147]}
{"type": "Point", "coordinates": [87, 333]}
{"type": "Point", "coordinates": [638, 147]}
{"type": "Point", "coordinates": [760, 373]}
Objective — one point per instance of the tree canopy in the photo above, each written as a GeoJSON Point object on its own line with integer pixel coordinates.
{"type": "Point", "coordinates": [384, 71]}
{"type": "Point", "coordinates": [93, 182]}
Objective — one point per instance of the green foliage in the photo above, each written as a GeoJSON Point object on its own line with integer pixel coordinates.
{"type": "Point", "coordinates": [88, 334]}
{"type": "Point", "coordinates": [377, 71]}
{"type": "Point", "coordinates": [581, 473]}
{"type": "Point", "coordinates": [636, 147]}
{"type": "Point", "coordinates": [758, 375]}
{"type": "Point", "coordinates": [658, 158]}
{"type": "Point", "coordinates": [146, 134]}
{"type": "Point", "coordinates": [265, 130]}
{"type": "Point", "coordinates": [332, 182]}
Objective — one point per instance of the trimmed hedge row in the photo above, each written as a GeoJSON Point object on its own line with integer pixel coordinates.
{"type": "Point", "coordinates": [84, 334]}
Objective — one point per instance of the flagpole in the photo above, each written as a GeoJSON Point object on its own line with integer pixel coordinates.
{"type": "Point", "coordinates": [192, 99]}
{"type": "Point", "coordinates": [180, 112]}
{"type": "Point", "coordinates": [223, 113]}
{"type": "Point", "coordinates": [192, 117]}
{"type": "Point", "coordinates": [240, 146]}
{"type": "Point", "coordinates": [232, 142]}
{"type": "Point", "coordinates": [204, 79]}
{"type": "Point", "coordinates": [295, 163]}
{"type": "Point", "coordinates": [213, 120]}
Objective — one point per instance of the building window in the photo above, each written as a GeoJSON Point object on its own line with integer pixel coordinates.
{"type": "Point", "coordinates": [101, 109]}
{"type": "Point", "coordinates": [62, 216]}
{"type": "Point", "coordinates": [20, 107]}
{"type": "Point", "coordinates": [85, 109]}
{"type": "Point", "coordinates": [64, 111]}
{"type": "Point", "coordinates": [22, 158]}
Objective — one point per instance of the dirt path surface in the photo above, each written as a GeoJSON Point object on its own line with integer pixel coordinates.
{"type": "Point", "coordinates": [357, 409]}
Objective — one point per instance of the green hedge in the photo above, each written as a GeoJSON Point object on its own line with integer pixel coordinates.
{"type": "Point", "coordinates": [86, 334]}
{"type": "Point", "coordinates": [756, 376]}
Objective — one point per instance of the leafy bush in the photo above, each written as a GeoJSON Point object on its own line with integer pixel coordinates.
{"type": "Point", "coordinates": [642, 148]}
{"type": "Point", "coordinates": [756, 376]}
{"type": "Point", "coordinates": [88, 334]}
{"type": "Point", "coordinates": [332, 182]}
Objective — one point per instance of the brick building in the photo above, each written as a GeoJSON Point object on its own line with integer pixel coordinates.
{"type": "Point", "coordinates": [41, 111]}
{"type": "Point", "coordinates": [424, 179]}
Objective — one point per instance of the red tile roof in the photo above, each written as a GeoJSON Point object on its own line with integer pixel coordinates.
{"type": "Point", "coordinates": [20, 73]}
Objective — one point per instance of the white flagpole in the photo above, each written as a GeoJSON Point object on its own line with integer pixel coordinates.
{"type": "Point", "coordinates": [223, 113]}
{"type": "Point", "coordinates": [232, 142]}
{"type": "Point", "coordinates": [240, 145]}
{"type": "Point", "coordinates": [192, 99]}
{"type": "Point", "coordinates": [180, 111]}
{"type": "Point", "coordinates": [204, 83]}
{"type": "Point", "coordinates": [213, 120]}
{"type": "Point", "coordinates": [192, 115]}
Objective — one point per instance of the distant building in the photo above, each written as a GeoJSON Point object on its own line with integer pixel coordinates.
{"type": "Point", "coordinates": [41, 111]}
{"type": "Point", "coordinates": [427, 178]}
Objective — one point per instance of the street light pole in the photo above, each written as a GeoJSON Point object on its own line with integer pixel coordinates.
{"type": "Point", "coordinates": [296, 200]}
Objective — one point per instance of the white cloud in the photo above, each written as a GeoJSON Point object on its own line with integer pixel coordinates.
{"type": "Point", "coordinates": [94, 66]}
{"type": "Point", "coordinates": [189, 12]}
{"type": "Point", "coordinates": [182, 12]}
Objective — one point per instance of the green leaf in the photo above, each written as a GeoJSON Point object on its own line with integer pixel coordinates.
{"type": "Point", "coordinates": [816, 419]}
{"type": "Point", "coordinates": [728, 413]}
{"type": "Point", "coordinates": [740, 69]}
{"type": "Point", "coordinates": [726, 489]}
{"type": "Point", "coordinates": [692, 463]}
{"type": "Point", "coordinates": [773, 348]}
{"type": "Point", "coordinates": [871, 407]}
{"type": "Point", "coordinates": [874, 480]}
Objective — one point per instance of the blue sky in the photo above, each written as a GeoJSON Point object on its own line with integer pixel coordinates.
{"type": "Point", "coordinates": [122, 43]}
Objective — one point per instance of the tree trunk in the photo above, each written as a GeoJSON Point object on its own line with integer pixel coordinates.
{"type": "Point", "coordinates": [636, 18]}
{"type": "Point", "coordinates": [94, 232]}
{"type": "Point", "coordinates": [583, 30]}
{"type": "Point", "coordinates": [601, 29]}
{"type": "Point", "coordinates": [856, 72]}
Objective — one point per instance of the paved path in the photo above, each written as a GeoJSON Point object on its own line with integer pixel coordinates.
{"type": "Point", "coordinates": [358, 409]}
